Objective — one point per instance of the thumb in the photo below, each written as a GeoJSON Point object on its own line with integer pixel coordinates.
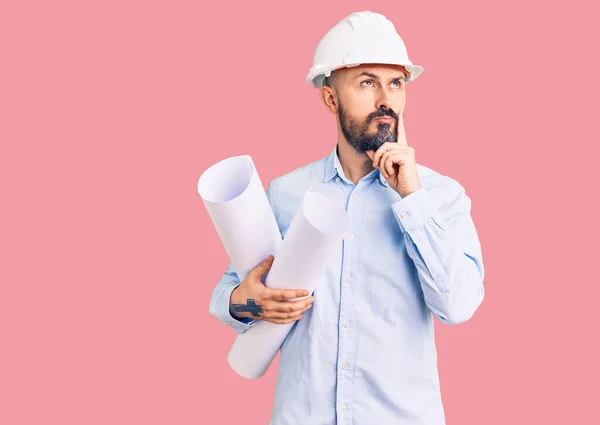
{"type": "Point", "coordinates": [262, 268]}
{"type": "Point", "coordinates": [371, 154]}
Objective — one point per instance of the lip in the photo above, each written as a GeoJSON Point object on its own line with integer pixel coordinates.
{"type": "Point", "coordinates": [384, 119]}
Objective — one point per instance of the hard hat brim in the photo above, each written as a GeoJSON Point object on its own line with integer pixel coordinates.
{"type": "Point", "coordinates": [316, 77]}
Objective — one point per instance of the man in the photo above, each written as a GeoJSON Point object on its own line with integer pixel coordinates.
{"type": "Point", "coordinates": [362, 348]}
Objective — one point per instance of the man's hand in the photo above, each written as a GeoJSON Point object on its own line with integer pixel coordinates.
{"type": "Point", "coordinates": [254, 300]}
{"type": "Point", "coordinates": [397, 163]}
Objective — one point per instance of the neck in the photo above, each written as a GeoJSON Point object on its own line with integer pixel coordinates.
{"type": "Point", "coordinates": [354, 164]}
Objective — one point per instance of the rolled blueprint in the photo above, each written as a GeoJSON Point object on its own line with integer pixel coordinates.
{"type": "Point", "coordinates": [240, 211]}
{"type": "Point", "coordinates": [312, 240]}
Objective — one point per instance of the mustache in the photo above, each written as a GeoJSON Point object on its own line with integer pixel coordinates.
{"type": "Point", "coordinates": [382, 112]}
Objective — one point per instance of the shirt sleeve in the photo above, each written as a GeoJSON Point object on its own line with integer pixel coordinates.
{"type": "Point", "coordinates": [219, 303]}
{"type": "Point", "coordinates": [441, 238]}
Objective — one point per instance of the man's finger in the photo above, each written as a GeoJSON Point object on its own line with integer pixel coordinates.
{"type": "Point", "coordinates": [286, 315]}
{"type": "Point", "coordinates": [382, 161]}
{"type": "Point", "coordinates": [382, 149]}
{"type": "Point", "coordinates": [290, 318]}
{"type": "Point", "coordinates": [285, 294]}
{"type": "Point", "coordinates": [286, 321]}
{"type": "Point", "coordinates": [390, 159]}
{"type": "Point", "coordinates": [402, 132]}
{"type": "Point", "coordinates": [389, 148]}
{"type": "Point", "coordinates": [291, 306]}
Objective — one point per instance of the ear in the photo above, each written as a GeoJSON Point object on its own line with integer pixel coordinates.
{"type": "Point", "coordinates": [329, 99]}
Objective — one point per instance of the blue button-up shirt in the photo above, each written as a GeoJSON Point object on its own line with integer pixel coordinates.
{"type": "Point", "coordinates": [365, 352]}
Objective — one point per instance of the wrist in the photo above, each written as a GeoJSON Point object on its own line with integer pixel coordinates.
{"type": "Point", "coordinates": [405, 191]}
{"type": "Point", "coordinates": [233, 300]}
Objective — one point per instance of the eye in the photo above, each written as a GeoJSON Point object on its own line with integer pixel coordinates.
{"type": "Point", "coordinates": [397, 83]}
{"type": "Point", "coordinates": [367, 81]}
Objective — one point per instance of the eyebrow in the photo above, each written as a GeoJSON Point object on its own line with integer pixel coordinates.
{"type": "Point", "coordinates": [368, 74]}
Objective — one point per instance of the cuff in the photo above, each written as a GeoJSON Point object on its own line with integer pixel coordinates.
{"type": "Point", "coordinates": [238, 324]}
{"type": "Point", "coordinates": [413, 211]}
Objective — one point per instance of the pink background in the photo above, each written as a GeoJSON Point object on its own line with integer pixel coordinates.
{"type": "Point", "coordinates": [111, 110]}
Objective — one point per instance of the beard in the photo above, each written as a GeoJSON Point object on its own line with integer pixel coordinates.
{"type": "Point", "coordinates": [357, 133]}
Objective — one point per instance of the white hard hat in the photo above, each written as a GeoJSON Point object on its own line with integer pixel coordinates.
{"type": "Point", "coordinates": [360, 38]}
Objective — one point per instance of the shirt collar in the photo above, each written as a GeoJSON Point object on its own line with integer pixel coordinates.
{"type": "Point", "coordinates": [333, 168]}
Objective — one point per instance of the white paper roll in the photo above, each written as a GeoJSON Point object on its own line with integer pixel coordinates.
{"type": "Point", "coordinates": [309, 245]}
{"type": "Point", "coordinates": [240, 211]}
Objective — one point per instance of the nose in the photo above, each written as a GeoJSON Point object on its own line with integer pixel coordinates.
{"type": "Point", "coordinates": [383, 99]}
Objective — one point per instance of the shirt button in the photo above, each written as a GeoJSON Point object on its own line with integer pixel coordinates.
{"type": "Point", "coordinates": [348, 280]}
{"type": "Point", "coordinates": [337, 179]}
{"type": "Point", "coordinates": [350, 236]}
{"type": "Point", "coordinates": [346, 324]}
{"type": "Point", "coordinates": [344, 366]}
{"type": "Point", "coordinates": [404, 214]}
{"type": "Point", "coordinates": [354, 197]}
{"type": "Point", "coordinates": [343, 408]}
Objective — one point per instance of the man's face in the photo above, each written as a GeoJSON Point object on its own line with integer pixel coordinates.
{"type": "Point", "coordinates": [371, 101]}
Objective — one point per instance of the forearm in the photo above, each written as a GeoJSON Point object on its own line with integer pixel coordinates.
{"type": "Point", "coordinates": [443, 243]}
